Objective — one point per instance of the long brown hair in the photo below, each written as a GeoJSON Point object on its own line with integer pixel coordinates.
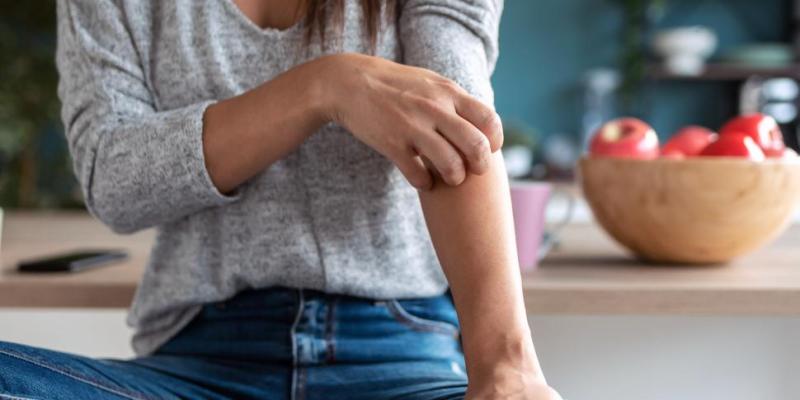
{"type": "Point", "coordinates": [318, 13]}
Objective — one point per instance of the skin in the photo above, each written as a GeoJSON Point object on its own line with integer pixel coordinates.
{"type": "Point", "coordinates": [443, 141]}
{"type": "Point", "coordinates": [472, 229]}
{"type": "Point", "coordinates": [430, 117]}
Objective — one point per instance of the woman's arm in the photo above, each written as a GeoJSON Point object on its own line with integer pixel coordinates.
{"type": "Point", "coordinates": [400, 111]}
{"type": "Point", "coordinates": [472, 229]}
{"type": "Point", "coordinates": [471, 225]}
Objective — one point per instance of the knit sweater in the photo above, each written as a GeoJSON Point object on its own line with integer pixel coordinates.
{"type": "Point", "coordinates": [135, 79]}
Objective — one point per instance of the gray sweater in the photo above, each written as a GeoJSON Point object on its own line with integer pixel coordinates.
{"type": "Point", "coordinates": [334, 215]}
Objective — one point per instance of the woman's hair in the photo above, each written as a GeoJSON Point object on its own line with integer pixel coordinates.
{"type": "Point", "coordinates": [318, 13]}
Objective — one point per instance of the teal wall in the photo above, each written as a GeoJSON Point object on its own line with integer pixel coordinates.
{"type": "Point", "coordinates": [547, 45]}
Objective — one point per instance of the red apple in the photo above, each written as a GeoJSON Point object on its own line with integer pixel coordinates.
{"type": "Point", "coordinates": [673, 154]}
{"type": "Point", "coordinates": [763, 129]}
{"type": "Point", "coordinates": [734, 145]}
{"type": "Point", "coordinates": [625, 138]}
{"type": "Point", "coordinates": [689, 141]}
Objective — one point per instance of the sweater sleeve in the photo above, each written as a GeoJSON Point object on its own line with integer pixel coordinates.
{"type": "Point", "coordinates": [455, 38]}
{"type": "Point", "coordinates": [138, 166]}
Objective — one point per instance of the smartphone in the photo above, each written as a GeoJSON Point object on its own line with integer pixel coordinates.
{"type": "Point", "coordinates": [72, 261]}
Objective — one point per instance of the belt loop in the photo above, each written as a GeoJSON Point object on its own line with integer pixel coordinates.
{"type": "Point", "coordinates": [330, 329]}
{"type": "Point", "coordinates": [293, 333]}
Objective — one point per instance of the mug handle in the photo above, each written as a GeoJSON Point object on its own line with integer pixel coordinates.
{"type": "Point", "coordinates": [550, 237]}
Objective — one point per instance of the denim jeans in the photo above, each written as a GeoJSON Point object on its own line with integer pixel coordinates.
{"type": "Point", "coordinates": [268, 344]}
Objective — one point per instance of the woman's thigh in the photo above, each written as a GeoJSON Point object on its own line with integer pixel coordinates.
{"type": "Point", "coordinates": [34, 373]}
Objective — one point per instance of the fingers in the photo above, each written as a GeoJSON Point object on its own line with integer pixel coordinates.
{"type": "Point", "coordinates": [470, 142]}
{"type": "Point", "coordinates": [415, 171]}
{"type": "Point", "coordinates": [444, 133]}
{"type": "Point", "coordinates": [444, 157]}
{"type": "Point", "coordinates": [482, 117]}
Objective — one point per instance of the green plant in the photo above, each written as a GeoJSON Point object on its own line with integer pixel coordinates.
{"type": "Point", "coordinates": [34, 163]}
{"type": "Point", "coordinates": [517, 133]}
{"type": "Point", "coordinates": [636, 19]}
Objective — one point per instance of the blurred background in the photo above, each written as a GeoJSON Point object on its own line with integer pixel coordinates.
{"type": "Point", "coordinates": [567, 65]}
{"type": "Point", "coordinates": [35, 170]}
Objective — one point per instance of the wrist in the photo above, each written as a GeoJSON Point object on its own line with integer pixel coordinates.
{"type": "Point", "coordinates": [318, 97]}
{"type": "Point", "coordinates": [328, 84]}
{"type": "Point", "coordinates": [507, 350]}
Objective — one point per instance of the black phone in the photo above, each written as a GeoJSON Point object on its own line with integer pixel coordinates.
{"type": "Point", "coordinates": [72, 261]}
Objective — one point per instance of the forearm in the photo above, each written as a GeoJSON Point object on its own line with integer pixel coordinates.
{"type": "Point", "coordinates": [245, 134]}
{"type": "Point", "coordinates": [471, 226]}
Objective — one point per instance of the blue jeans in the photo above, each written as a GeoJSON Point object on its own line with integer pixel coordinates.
{"type": "Point", "coordinates": [268, 344]}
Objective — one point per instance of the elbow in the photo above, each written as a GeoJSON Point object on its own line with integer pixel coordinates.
{"type": "Point", "coordinates": [114, 220]}
{"type": "Point", "coordinates": [113, 213]}
{"type": "Point", "coordinates": [107, 197]}
{"type": "Point", "coordinates": [105, 183]}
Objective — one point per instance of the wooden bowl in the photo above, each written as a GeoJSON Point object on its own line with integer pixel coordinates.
{"type": "Point", "coordinates": [693, 211]}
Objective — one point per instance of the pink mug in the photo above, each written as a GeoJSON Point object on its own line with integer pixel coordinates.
{"type": "Point", "coordinates": [529, 201]}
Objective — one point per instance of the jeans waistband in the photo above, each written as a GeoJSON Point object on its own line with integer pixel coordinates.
{"type": "Point", "coordinates": [276, 296]}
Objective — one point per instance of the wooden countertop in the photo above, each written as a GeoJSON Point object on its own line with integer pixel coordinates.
{"type": "Point", "coordinates": [587, 274]}
{"type": "Point", "coordinates": [32, 235]}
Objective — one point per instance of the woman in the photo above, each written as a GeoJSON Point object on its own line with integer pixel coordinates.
{"type": "Point", "coordinates": [267, 141]}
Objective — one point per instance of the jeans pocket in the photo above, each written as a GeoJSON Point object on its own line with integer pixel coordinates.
{"type": "Point", "coordinates": [432, 321]}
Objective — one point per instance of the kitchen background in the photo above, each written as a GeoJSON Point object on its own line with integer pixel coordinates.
{"type": "Point", "coordinates": [559, 60]}
{"type": "Point", "coordinates": [548, 47]}
{"type": "Point", "coordinates": [553, 53]}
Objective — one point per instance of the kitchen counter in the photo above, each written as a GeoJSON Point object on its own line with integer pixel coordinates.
{"type": "Point", "coordinates": [29, 235]}
{"type": "Point", "coordinates": [587, 274]}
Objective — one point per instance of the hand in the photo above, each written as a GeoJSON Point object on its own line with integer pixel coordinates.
{"type": "Point", "coordinates": [412, 116]}
{"type": "Point", "coordinates": [510, 383]}
{"type": "Point", "coordinates": [504, 367]}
